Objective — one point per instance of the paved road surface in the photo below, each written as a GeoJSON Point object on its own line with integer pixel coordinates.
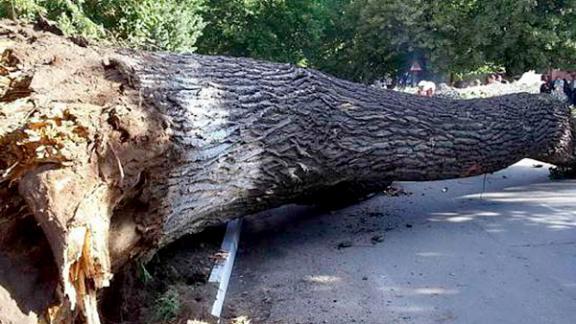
{"type": "Point", "coordinates": [444, 254]}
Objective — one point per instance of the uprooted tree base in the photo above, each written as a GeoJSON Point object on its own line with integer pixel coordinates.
{"type": "Point", "coordinates": [75, 147]}
{"type": "Point", "coordinates": [108, 155]}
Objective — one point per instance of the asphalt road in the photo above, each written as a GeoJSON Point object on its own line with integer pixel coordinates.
{"type": "Point", "coordinates": [494, 249]}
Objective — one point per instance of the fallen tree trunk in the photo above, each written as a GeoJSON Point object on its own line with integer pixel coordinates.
{"type": "Point", "coordinates": [247, 135]}
{"type": "Point", "coordinates": [117, 153]}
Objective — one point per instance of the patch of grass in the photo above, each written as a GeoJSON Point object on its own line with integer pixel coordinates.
{"type": "Point", "coordinates": [167, 306]}
{"type": "Point", "coordinates": [144, 275]}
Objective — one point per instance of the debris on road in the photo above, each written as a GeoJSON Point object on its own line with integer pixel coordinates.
{"type": "Point", "coordinates": [395, 192]}
{"type": "Point", "coordinates": [344, 245]}
{"type": "Point", "coordinates": [377, 239]}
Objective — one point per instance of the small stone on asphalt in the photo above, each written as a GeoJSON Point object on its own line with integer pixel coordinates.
{"type": "Point", "coordinates": [344, 244]}
{"type": "Point", "coordinates": [377, 239]}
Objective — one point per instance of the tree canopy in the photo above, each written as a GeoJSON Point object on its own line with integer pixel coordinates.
{"type": "Point", "coordinates": [361, 40]}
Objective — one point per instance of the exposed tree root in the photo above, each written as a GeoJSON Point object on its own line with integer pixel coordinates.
{"type": "Point", "coordinates": [73, 163]}
{"type": "Point", "coordinates": [74, 213]}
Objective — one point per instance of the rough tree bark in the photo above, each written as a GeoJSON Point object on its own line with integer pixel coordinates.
{"type": "Point", "coordinates": [249, 135]}
{"type": "Point", "coordinates": [117, 153]}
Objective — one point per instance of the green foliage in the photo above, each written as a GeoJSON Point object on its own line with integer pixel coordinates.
{"type": "Point", "coordinates": [479, 73]}
{"type": "Point", "coordinates": [277, 30]}
{"type": "Point", "coordinates": [524, 35]}
{"type": "Point", "coordinates": [361, 40]}
{"type": "Point", "coordinates": [73, 20]}
{"type": "Point", "coordinates": [24, 9]}
{"type": "Point", "coordinates": [172, 25]}
{"type": "Point", "coordinates": [456, 36]}
{"type": "Point", "coordinates": [143, 274]}
{"type": "Point", "coordinates": [462, 36]}
{"type": "Point", "coordinates": [70, 15]}
{"type": "Point", "coordinates": [167, 306]}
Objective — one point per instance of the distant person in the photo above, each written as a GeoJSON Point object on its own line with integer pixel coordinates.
{"type": "Point", "coordinates": [404, 80]}
{"type": "Point", "coordinates": [390, 82]}
{"type": "Point", "coordinates": [546, 86]}
{"type": "Point", "coordinates": [490, 79]}
{"type": "Point", "coordinates": [558, 83]}
{"type": "Point", "coordinates": [558, 89]}
{"type": "Point", "coordinates": [573, 87]}
{"type": "Point", "coordinates": [568, 87]}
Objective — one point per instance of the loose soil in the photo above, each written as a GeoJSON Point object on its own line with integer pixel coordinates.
{"type": "Point", "coordinates": [172, 288]}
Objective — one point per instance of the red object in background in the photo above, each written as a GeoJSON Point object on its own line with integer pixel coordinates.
{"type": "Point", "coordinates": [415, 67]}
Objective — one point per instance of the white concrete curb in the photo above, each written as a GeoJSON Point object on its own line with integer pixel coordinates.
{"type": "Point", "coordinates": [223, 269]}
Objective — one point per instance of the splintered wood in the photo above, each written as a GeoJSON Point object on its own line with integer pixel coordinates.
{"type": "Point", "coordinates": [14, 82]}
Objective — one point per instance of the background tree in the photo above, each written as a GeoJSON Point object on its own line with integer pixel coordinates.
{"type": "Point", "coordinates": [172, 25]}
{"type": "Point", "coordinates": [524, 35]}
{"type": "Point", "coordinates": [360, 40]}
{"type": "Point", "coordinates": [277, 30]}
